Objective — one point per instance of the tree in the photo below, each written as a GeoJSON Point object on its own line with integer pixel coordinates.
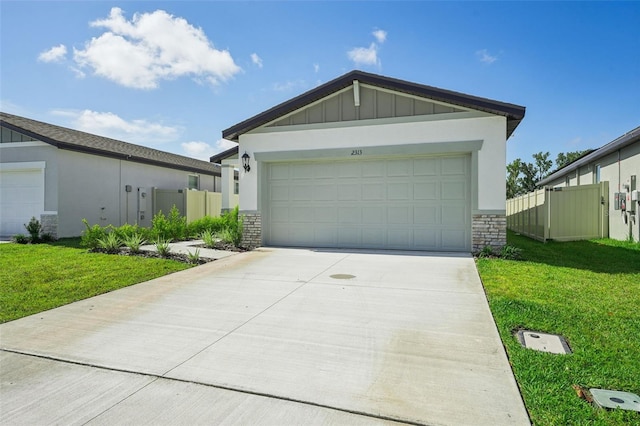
{"type": "Point", "coordinates": [522, 176]}
{"type": "Point", "coordinates": [563, 159]}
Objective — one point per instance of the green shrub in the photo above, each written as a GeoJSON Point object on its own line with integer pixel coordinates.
{"type": "Point", "coordinates": [110, 243]}
{"type": "Point", "coordinates": [33, 228]}
{"type": "Point", "coordinates": [47, 238]}
{"type": "Point", "coordinates": [162, 246]}
{"type": "Point", "coordinates": [208, 238]}
{"type": "Point", "coordinates": [173, 228]}
{"type": "Point", "coordinates": [91, 235]}
{"type": "Point", "coordinates": [194, 257]}
{"type": "Point", "coordinates": [207, 223]}
{"type": "Point", "coordinates": [20, 239]}
{"type": "Point", "coordinates": [127, 231]}
{"type": "Point", "coordinates": [486, 251]}
{"type": "Point", "coordinates": [133, 242]}
{"type": "Point", "coordinates": [511, 253]}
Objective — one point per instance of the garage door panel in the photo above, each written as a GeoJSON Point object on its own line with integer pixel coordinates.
{"type": "Point", "coordinates": [279, 193]}
{"type": "Point", "coordinates": [405, 203]}
{"type": "Point", "coordinates": [426, 167]}
{"type": "Point", "coordinates": [400, 215]}
{"type": "Point", "coordinates": [426, 191]}
{"type": "Point", "coordinates": [400, 238]}
{"type": "Point", "coordinates": [301, 193]}
{"type": "Point", "coordinates": [452, 215]}
{"type": "Point", "coordinates": [454, 166]}
{"type": "Point", "coordinates": [427, 214]}
{"type": "Point", "coordinates": [325, 215]}
{"type": "Point", "coordinates": [373, 192]}
{"type": "Point", "coordinates": [324, 192]}
{"type": "Point", "coordinates": [373, 237]}
{"type": "Point", "coordinates": [454, 239]}
{"type": "Point", "coordinates": [349, 215]}
{"type": "Point", "coordinates": [347, 170]}
{"type": "Point", "coordinates": [279, 172]}
{"type": "Point", "coordinates": [426, 238]}
{"type": "Point", "coordinates": [454, 190]}
{"type": "Point", "coordinates": [399, 168]}
{"type": "Point", "coordinates": [349, 192]}
{"type": "Point", "coordinates": [300, 214]}
{"type": "Point", "coordinates": [400, 191]}
{"type": "Point", "coordinates": [373, 169]}
{"type": "Point", "coordinates": [373, 215]}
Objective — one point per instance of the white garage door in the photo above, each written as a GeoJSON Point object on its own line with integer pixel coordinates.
{"type": "Point", "coordinates": [418, 203]}
{"type": "Point", "coordinates": [21, 197]}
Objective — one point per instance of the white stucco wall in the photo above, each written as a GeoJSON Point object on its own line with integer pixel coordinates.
{"type": "Point", "coordinates": [87, 183]}
{"type": "Point", "coordinates": [491, 130]}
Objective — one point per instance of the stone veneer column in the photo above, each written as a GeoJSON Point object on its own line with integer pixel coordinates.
{"type": "Point", "coordinates": [252, 229]}
{"type": "Point", "coordinates": [49, 224]}
{"type": "Point", "coordinates": [489, 230]}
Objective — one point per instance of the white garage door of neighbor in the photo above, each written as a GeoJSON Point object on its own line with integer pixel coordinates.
{"type": "Point", "coordinates": [418, 203]}
{"type": "Point", "coordinates": [21, 197]}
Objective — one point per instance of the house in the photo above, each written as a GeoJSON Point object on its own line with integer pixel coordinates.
{"type": "Point", "coordinates": [62, 176]}
{"type": "Point", "coordinates": [367, 161]}
{"type": "Point", "coordinates": [618, 163]}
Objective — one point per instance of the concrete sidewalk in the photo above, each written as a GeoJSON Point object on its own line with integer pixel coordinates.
{"type": "Point", "coordinates": [273, 336]}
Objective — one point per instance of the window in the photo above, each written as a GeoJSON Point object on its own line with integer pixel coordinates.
{"type": "Point", "coordinates": [236, 188]}
{"type": "Point", "coordinates": [194, 182]}
{"type": "Point", "coordinates": [596, 174]}
{"type": "Point", "coordinates": [567, 181]}
{"type": "Point", "coordinates": [9, 136]}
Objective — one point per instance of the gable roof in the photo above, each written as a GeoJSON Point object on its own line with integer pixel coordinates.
{"type": "Point", "coordinates": [620, 142]}
{"type": "Point", "coordinates": [224, 155]}
{"type": "Point", "coordinates": [514, 113]}
{"type": "Point", "coordinates": [74, 140]}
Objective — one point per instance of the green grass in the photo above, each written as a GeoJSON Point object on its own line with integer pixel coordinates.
{"type": "Point", "coordinates": [34, 278]}
{"type": "Point", "coordinates": [587, 291]}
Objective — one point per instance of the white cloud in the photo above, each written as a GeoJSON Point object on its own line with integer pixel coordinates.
{"type": "Point", "coordinates": [380, 35]}
{"type": "Point", "coordinates": [152, 47]}
{"type": "Point", "coordinates": [364, 55]}
{"type": "Point", "coordinates": [288, 86]}
{"type": "Point", "coordinates": [55, 54]}
{"type": "Point", "coordinates": [257, 60]}
{"type": "Point", "coordinates": [485, 57]}
{"type": "Point", "coordinates": [108, 124]}
{"type": "Point", "coordinates": [204, 151]}
{"type": "Point", "coordinates": [316, 67]}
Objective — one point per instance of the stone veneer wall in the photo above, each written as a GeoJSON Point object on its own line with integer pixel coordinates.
{"type": "Point", "coordinates": [49, 224]}
{"type": "Point", "coordinates": [489, 230]}
{"type": "Point", "coordinates": [252, 229]}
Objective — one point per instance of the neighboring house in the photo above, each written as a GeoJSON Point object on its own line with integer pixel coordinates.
{"type": "Point", "coordinates": [367, 161]}
{"type": "Point", "coordinates": [61, 176]}
{"type": "Point", "coordinates": [617, 162]}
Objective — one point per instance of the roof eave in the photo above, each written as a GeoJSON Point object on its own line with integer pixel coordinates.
{"type": "Point", "coordinates": [618, 143]}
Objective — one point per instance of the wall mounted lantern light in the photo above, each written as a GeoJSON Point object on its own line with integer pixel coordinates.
{"type": "Point", "coordinates": [245, 162]}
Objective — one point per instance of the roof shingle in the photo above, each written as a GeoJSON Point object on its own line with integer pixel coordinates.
{"type": "Point", "coordinates": [74, 140]}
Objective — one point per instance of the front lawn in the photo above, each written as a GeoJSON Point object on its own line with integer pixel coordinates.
{"type": "Point", "coordinates": [587, 291]}
{"type": "Point", "coordinates": [34, 278]}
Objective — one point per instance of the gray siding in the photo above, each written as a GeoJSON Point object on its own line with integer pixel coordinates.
{"type": "Point", "coordinates": [373, 104]}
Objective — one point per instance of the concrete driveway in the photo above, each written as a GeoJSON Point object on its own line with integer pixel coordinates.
{"type": "Point", "coordinates": [273, 336]}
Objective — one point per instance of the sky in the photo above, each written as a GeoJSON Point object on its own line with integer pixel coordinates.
{"type": "Point", "coordinates": [173, 75]}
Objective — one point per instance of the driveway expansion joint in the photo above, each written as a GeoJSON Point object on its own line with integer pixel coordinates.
{"type": "Point", "coordinates": [221, 387]}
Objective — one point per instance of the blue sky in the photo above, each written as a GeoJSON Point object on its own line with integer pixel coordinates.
{"type": "Point", "coordinates": [173, 75]}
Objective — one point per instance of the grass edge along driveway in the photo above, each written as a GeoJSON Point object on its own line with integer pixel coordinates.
{"type": "Point", "coordinates": [587, 291]}
{"type": "Point", "coordinates": [38, 277]}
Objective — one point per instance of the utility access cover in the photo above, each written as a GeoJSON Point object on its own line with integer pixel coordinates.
{"type": "Point", "coordinates": [544, 342]}
{"type": "Point", "coordinates": [616, 399]}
